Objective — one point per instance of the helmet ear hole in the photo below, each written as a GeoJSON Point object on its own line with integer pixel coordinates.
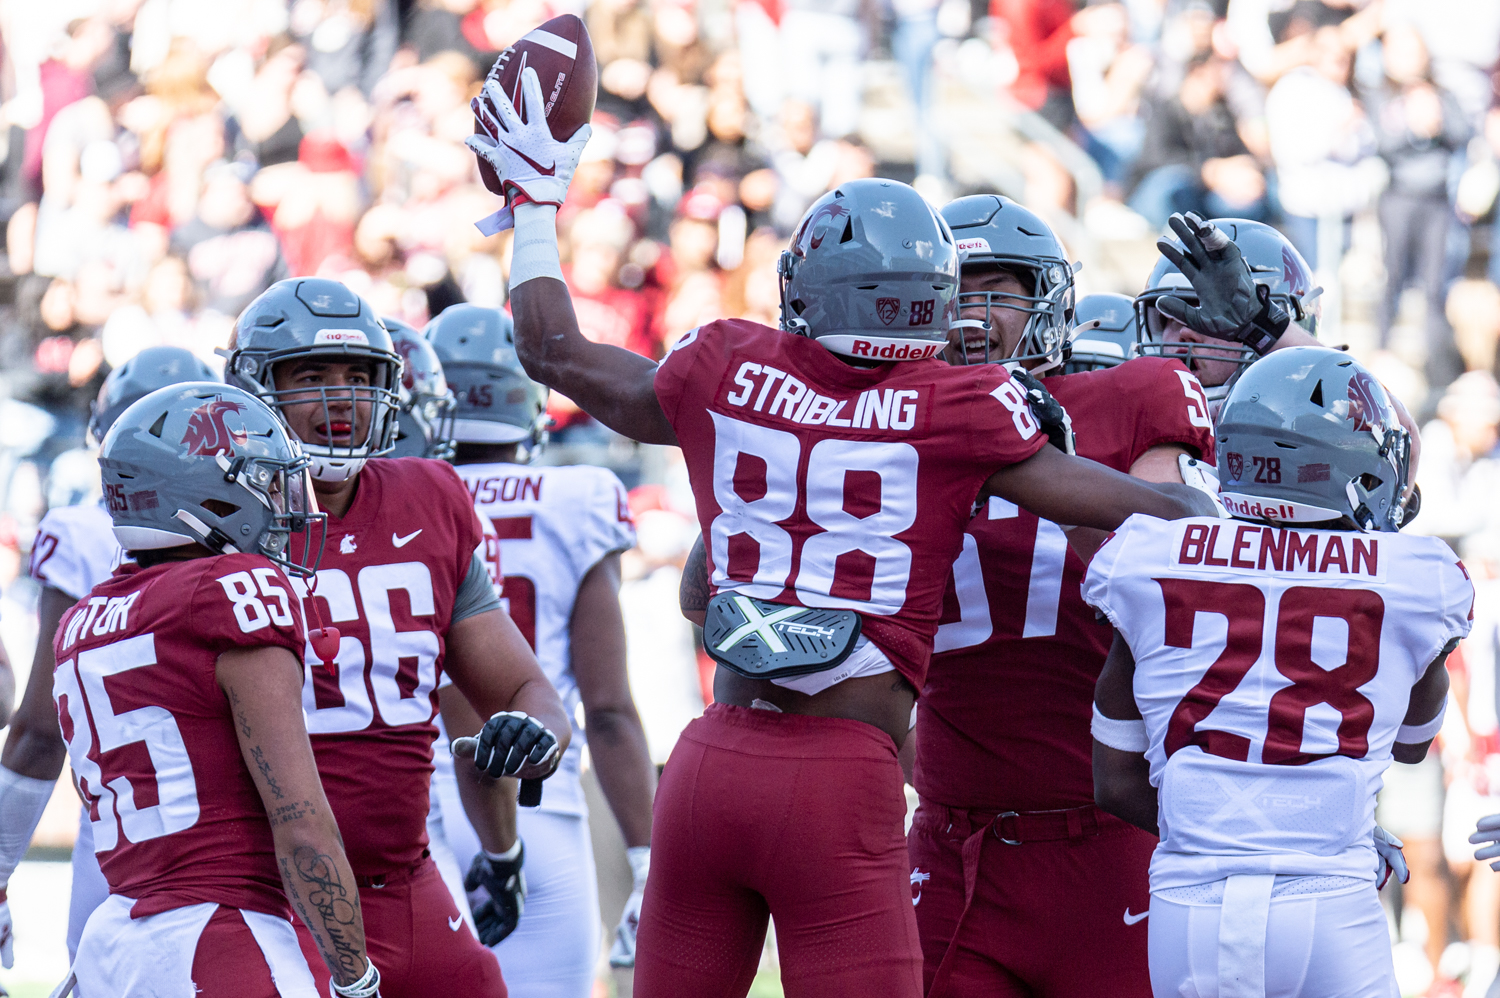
{"type": "Point", "coordinates": [848, 235]}
{"type": "Point", "coordinates": [1316, 398]}
{"type": "Point", "coordinates": [155, 428]}
{"type": "Point", "coordinates": [219, 508]}
{"type": "Point", "coordinates": [1370, 482]}
{"type": "Point", "coordinates": [798, 305]}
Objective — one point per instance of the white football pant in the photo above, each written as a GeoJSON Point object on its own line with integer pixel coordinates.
{"type": "Point", "coordinates": [555, 948]}
{"type": "Point", "coordinates": [89, 886]}
{"type": "Point", "coordinates": [1309, 945]}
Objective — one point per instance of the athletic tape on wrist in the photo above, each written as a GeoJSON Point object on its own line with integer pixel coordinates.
{"type": "Point", "coordinates": [535, 251]}
{"type": "Point", "coordinates": [1416, 734]}
{"type": "Point", "coordinates": [508, 855]}
{"type": "Point", "coordinates": [639, 858]}
{"type": "Point", "coordinates": [1125, 736]}
{"type": "Point", "coordinates": [22, 801]}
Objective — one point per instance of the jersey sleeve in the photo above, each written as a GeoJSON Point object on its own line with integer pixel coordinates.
{"type": "Point", "coordinates": [1098, 582]}
{"type": "Point", "coordinates": [1171, 409]}
{"type": "Point", "coordinates": [467, 524]}
{"type": "Point", "coordinates": [57, 556]}
{"type": "Point", "coordinates": [673, 375]}
{"type": "Point", "coordinates": [1002, 429]}
{"type": "Point", "coordinates": [605, 525]}
{"type": "Point", "coordinates": [244, 601]}
{"type": "Point", "coordinates": [1457, 593]}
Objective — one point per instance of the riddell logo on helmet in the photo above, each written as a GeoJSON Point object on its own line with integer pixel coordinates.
{"type": "Point", "coordinates": [207, 434]}
{"type": "Point", "coordinates": [341, 336]}
{"type": "Point", "coordinates": [894, 351]}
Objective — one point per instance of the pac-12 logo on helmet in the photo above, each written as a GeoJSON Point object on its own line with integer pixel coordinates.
{"type": "Point", "coordinates": [1367, 403]}
{"type": "Point", "coordinates": [1236, 464]}
{"type": "Point", "coordinates": [208, 434]}
{"type": "Point", "coordinates": [888, 309]}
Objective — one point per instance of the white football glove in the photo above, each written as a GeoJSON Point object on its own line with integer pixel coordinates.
{"type": "Point", "coordinates": [622, 953]}
{"type": "Point", "coordinates": [1488, 832]}
{"type": "Point", "coordinates": [7, 937]}
{"type": "Point", "coordinates": [1390, 858]}
{"type": "Point", "coordinates": [532, 165]}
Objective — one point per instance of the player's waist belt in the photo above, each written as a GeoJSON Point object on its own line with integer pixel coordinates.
{"type": "Point", "coordinates": [1011, 827]}
{"type": "Point", "coordinates": [397, 876]}
{"type": "Point", "coordinates": [1019, 827]}
{"type": "Point", "coordinates": [774, 641]}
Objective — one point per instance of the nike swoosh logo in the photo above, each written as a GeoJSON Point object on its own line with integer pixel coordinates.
{"type": "Point", "coordinates": [455, 922]}
{"type": "Point", "coordinates": [546, 171]}
{"type": "Point", "coordinates": [1132, 919]}
{"type": "Point", "coordinates": [401, 542]}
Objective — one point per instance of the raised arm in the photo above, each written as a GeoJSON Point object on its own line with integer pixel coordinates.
{"type": "Point", "coordinates": [264, 687]}
{"type": "Point", "coordinates": [614, 386]}
{"type": "Point", "coordinates": [1078, 492]}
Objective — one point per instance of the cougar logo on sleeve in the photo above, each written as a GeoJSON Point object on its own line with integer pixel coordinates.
{"type": "Point", "coordinates": [1367, 403]}
{"type": "Point", "coordinates": [208, 434]}
{"type": "Point", "coordinates": [887, 309]}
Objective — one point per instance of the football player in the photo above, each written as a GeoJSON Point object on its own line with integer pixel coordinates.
{"type": "Point", "coordinates": [1266, 670]}
{"type": "Point", "coordinates": [834, 463]}
{"type": "Point", "coordinates": [1103, 333]}
{"type": "Point", "coordinates": [1012, 862]}
{"type": "Point", "coordinates": [553, 537]}
{"type": "Point", "coordinates": [425, 424]}
{"type": "Point", "coordinates": [178, 686]}
{"type": "Point", "coordinates": [74, 551]}
{"type": "Point", "coordinates": [401, 599]}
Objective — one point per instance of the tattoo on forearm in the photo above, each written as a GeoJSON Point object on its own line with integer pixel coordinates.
{"type": "Point", "coordinates": [259, 755]}
{"type": "Point", "coordinates": [292, 812]}
{"type": "Point", "coordinates": [334, 911]}
{"type": "Point", "coordinates": [239, 713]}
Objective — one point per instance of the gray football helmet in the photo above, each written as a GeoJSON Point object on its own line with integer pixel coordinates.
{"type": "Point", "coordinates": [1308, 436]}
{"type": "Point", "coordinates": [152, 368]}
{"type": "Point", "coordinates": [497, 402]}
{"type": "Point", "coordinates": [310, 317]}
{"type": "Point", "coordinates": [208, 463]}
{"type": "Point", "coordinates": [995, 232]}
{"type": "Point", "coordinates": [1273, 261]}
{"type": "Point", "coordinates": [1103, 333]}
{"type": "Point", "coordinates": [425, 424]}
{"type": "Point", "coordinates": [871, 273]}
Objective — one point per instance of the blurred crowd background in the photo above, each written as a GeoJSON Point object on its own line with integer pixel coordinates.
{"type": "Point", "coordinates": [163, 161]}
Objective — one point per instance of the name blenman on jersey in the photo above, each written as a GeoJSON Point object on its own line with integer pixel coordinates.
{"type": "Point", "coordinates": [777, 393]}
{"type": "Point", "coordinates": [1278, 549]}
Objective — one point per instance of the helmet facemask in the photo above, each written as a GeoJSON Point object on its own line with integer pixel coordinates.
{"type": "Point", "coordinates": [331, 461]}
{"type": "Point", "coordinates": [1049, 311]}
{"type": "Point", "coordinates": [284, 490]}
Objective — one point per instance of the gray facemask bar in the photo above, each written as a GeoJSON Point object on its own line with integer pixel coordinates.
{"type": "Point", "coordinates": [1046, 332]}
{"type": "Point", "coordinates": [380, 434]}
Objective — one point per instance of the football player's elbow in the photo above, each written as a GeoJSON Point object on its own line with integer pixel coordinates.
{"type": "Point", "coordinates": [1410, 754]}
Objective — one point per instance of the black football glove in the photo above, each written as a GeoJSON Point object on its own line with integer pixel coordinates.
{"type": "Point", "coordinates": [1231, 306]}
{"type": "Point", "coordinates": [1050, 415]}
{"type": "Point", "coordinates": [513, 741]}
{"type": "Point", "coordinates": [497, 895]}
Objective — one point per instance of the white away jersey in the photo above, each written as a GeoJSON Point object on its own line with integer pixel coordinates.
{"type": "Point", "coordinates": [544, 528]}
{"type": "Point", "coordinates": [1273, 669]}
{"type": "Point", "coordinates": [75, 548]}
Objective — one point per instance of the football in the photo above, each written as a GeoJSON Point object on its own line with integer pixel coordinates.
{"type": "Point", "coordinates": [563, 57]}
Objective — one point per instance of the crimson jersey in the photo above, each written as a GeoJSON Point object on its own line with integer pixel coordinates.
{"type": "Point", "coordinates": [823, 484]}
{"type": "Point", "coordinates": [1003, 722]}
{"type": "Point", "coordinates": [390, 571]}
{"type": "Point", "coordinates": [176, 817]}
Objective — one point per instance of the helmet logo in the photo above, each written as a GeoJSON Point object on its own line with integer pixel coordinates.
{"type": "Point", "coordinates": [341, 336]}
{"type": "Point", "coordinates": [832, 211]}
{"type": "Point", "coordinates": [207, 434]}
{"type": "Point", "coordinates": [887, 309]}
{"type": "Point", "coordinates": [1292, 273]}
{"type": "Point", "coordinates": [1367, 406]}
{"type": "Point", "coordinates": [1236, 464]}
{"type": "Point", "coordinates": [974, 244]}
{"type": "Point", "coordinates": [406, 348]}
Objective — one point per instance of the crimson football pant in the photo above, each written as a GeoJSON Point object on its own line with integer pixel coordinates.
{"type": "Point", "coordinates": [1061, 915]}
{"type": "Point", "coordinates": [761, 813]}
{"type": "Point", "coordinates": [417, 940]}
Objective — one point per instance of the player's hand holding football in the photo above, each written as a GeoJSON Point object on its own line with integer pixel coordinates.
{"type": "Point", "coordinates": [497, 892]}
{"type": "Point", "coordinates": [1231, 306]}
{"type": "Point", "coordinates": [533, 166]}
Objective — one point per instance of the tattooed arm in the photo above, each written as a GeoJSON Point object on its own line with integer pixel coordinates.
{"type": "Point", "coordinates": [264, 687]}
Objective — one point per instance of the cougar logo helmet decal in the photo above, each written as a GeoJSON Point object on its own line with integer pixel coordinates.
{"type": "Point", "coordinates": [887, 309]}
{"type": "Point", "coordinates": [1367, 404]}
{"type": "Point", "coordinates": [1292, 272]}
{"type": "Point", "coordinates": [405, 348]}
{"type": "Point", "coordinates": [832, 211]}
{"type": "Point", "coordinates": [208, 434]}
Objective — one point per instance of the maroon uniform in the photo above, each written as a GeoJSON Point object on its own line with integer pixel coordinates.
{"type": "Point", "coordinates": [178, 824]}
{"type": "Point", "coordinates": [1003, 750]}
{"type": "Point", "coordinates": [391, 568]}
{"type": "Point", "coordinates": [820, 484]}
